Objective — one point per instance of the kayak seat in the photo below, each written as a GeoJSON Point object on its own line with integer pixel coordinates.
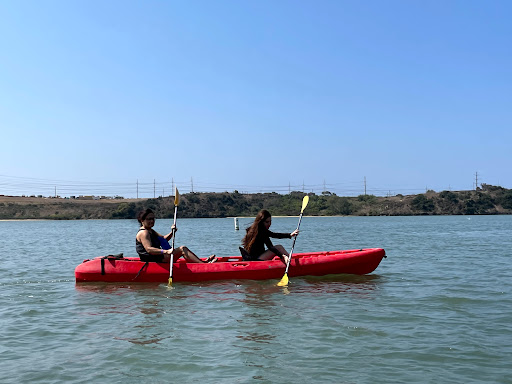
{"type": "Point", "coordinates": [245, 254]}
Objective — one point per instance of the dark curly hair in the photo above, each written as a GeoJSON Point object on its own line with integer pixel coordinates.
{"type": "Point", "coordinates": [141, 216]}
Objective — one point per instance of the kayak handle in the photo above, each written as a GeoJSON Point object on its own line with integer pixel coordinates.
{"type": "Point", "coordinates": [239, 264]}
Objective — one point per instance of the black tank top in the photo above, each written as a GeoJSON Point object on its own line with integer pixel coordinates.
{"type": "Point", "coordinates": [143, 254]}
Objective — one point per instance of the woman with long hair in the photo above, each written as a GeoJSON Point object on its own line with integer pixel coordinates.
{"type": "Point", "coordinates": [148, 245]}
{"type": "Point", "coordinates": [258, 236]}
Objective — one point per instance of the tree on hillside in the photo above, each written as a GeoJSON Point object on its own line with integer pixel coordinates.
{"type": "Point", "coordinates": [422, 203]}
{"type": "Point", "coordinates": [506, 200]}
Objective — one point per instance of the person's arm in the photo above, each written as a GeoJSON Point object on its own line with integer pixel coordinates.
{"type": "Point", "coordinates": [271, 247]}
{"type": "Point", "coordinates": [268, 242]}
{"type": "Point", "coordinates": [169, 235]}
{"type": "Point", "coordinates": [283, 235]}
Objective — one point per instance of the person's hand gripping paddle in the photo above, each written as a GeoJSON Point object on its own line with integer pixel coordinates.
{"type": "Point", "coordinates": [171, 262]}
{"type": "Point", "coordinates": [284, 280]}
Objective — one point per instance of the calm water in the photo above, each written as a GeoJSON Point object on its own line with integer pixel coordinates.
{"type": "Point", "coordinates": [437, 310]}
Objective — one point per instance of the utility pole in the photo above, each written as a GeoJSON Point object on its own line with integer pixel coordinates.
{"type": "Point", "coordinates": [192, 184]}
{"type": "Point", "coordinates": [172, 185]}
{"type": "Point", "coordinates": [324, 186]}
{"type": "Point", "coordinates": [365, 185]}
{"type": "Point", "coordinates": [476, 181]}
{"type": "Point", "coordinates": [302, 186]}
{"type": "Point", "coordinates": [55, 191]}
{"type": "Point", "coordinates": [137, 188]}
{"type": "Point", "coordinates": [289, 188]}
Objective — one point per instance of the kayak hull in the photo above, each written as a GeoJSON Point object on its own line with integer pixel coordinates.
{"type": "Point", "coordinates": [111, 269]}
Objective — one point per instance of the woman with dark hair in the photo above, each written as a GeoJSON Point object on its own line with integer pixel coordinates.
{"type": "Point", "coordinates": [148, 245]}
{"type": "Point", "coordinates": [258, 235]}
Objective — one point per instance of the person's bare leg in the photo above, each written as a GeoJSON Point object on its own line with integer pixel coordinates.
{"type": "Point", "coordinates": [190, 256]}
{"type": "Point", "coordinates": [285, 256]}
{"type": "Point", "coordinates": [281, 249]}
{"type": "Point", "coordinates": [269, 255]}
{"type": "Point", "coordinates": [176, 254]}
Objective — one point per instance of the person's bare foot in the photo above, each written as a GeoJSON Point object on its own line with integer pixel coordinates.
{"type": "Point", "coordinates": [211, 259]}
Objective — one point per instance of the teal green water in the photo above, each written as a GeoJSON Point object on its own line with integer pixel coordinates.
{"type": "Point", "coordinates": [437, 310]}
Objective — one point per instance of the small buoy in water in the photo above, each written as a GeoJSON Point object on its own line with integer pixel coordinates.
{"type": "Point", "coordinates": [236, 224]}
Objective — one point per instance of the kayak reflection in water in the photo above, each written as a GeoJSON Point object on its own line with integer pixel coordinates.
{"type": "Point", "coordinates": [258, 235]}
{"type": "Point", "coordinates": [149, 248]}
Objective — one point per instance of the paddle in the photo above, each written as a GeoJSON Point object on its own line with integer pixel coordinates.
{"type": "Point", "coordinates": [284, 280]}
{"type": "Point", "coordinates": [171, 262]}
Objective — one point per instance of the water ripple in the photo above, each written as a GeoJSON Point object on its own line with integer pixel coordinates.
{"type": "Point", "coordinates": [436, 310]}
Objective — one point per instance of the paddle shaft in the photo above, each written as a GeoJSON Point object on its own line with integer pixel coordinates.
{"type": "Point", "coordinates": [174, 230]}
{"type": "Point", "coordinates": [293, 245]}
{"type": "Point", "coordinates": [171, 261]}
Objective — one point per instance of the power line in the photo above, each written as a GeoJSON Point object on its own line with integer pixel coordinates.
{"type": "Point", "coordinates": [18, 186]}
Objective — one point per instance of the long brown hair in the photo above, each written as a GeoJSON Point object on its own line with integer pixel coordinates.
{"type": "Point", "coordinates": [253, 230]}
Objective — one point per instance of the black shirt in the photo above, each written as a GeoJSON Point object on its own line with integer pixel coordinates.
{"type": "Point", "coordinates": [262, 239]}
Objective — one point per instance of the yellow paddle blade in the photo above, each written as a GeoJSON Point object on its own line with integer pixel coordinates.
{"type": "Point", "coordinates": [284, 281]}
{"type": "Point", "coordinates": [305, 202]}
{"type": "Point", "coordinates": [169, 283]}
{"type": "Point", "coordinates": [176, 198]}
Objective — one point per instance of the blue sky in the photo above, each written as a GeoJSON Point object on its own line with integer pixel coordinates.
{"type": "Point", "coordinates": [254, 96]}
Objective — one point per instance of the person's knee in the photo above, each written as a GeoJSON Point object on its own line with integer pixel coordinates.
{"type": "Point", "coordinates": [178, 251]}
{"type": "Point", "coordinates": [282, 250]}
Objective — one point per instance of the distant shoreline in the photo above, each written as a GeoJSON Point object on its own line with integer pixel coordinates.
{"type": "Point", "coordinates": [488, 200]}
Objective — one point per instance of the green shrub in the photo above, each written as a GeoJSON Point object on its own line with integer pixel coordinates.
{"type": "Point", "coordinates": [124, 211]}
{"type": "Point", "coordinates": [422, 203]}
{"type": "Point", "coordinates": [506, 200]}
{"type": "Point", "coordinates": [367, 198]}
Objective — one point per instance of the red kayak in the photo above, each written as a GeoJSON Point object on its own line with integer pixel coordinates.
{"type": "Point", "coordinates": [131, 269]}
